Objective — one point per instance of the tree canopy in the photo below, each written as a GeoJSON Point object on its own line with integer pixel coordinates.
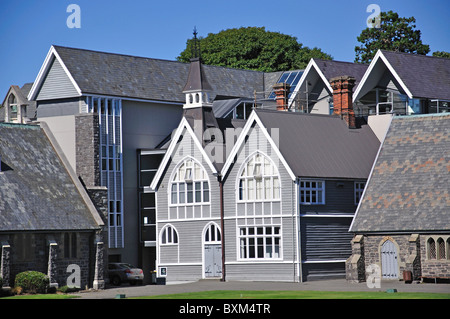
{"type": "Point", "coordinates": [253, 48]}
{"type": "Point", "coordinates": [395, 34]}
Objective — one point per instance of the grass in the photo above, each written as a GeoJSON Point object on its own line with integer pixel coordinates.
{"type": "Point", "coordinates": [267, 294]}
{"type": "Point", "coordinates": [234, 294]}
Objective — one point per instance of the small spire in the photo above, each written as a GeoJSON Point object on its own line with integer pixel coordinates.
{"type": "Point", "coordinates": [195, 46]}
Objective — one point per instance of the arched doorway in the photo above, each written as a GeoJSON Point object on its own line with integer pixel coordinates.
{"type": "Point", "coordinates": [212, 251]}
{"type": "Point", "coordinates": [389, 262]}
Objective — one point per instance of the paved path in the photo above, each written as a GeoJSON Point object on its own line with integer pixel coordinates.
{"type": "Point", "coordinates": [208, 285]}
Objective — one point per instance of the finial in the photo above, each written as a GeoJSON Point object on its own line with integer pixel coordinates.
{"type": "Point", "coordinates": [195, 47]}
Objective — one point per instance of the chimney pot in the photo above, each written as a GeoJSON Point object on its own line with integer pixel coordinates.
{"type": "Point", "coordinates": [281, 91]}
{"type": "Point", "coordinates": [343, 98]}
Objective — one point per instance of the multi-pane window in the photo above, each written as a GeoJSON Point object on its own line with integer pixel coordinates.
{"type": "Point", "coordinates": [312, 192]}
{"type": "Point", "coordinates": [212, 234]}
{"type": "Point", "coordinates": [259, 180]}
{"type": "Point", "coordinates": [109, 111]}
{"type": "Point", "coordinates": [260, 242]}
{"type": "Point", "coordinates": [12, 107]}
{"type": "Point", "coordinates": [359, 189]}
{"type": "Point", "coordinates": [189, 184]}
{"type": "Point", "coordinates": [169, 236]}
{"type": "Point", "coordinates": [438, 248]}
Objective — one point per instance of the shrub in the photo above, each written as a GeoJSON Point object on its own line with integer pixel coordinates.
{"type": "Point", "coordinates": [32, 281]}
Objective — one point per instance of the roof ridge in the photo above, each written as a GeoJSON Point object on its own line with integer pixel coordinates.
{"type": "Point", "coordinates": [414, 55]}
{"type": "Point", "coordinates": [335, 61]}
{"type": "Point", "coordinates": [296, 113]}
{"type": "Point", "coordinates": [119, 54]}
{"type": "Point", "coordinates": [154, 59]}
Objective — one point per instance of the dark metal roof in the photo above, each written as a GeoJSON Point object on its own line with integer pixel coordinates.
{"type": "Point", "coordinates": [36, 190]}
{"type": "Point", "coordinates": [409, 187]}
{"type": "Point", "coordinates": [425, 76]}
{"type": "Point", "coordinates": [145, 78]}
{"type": "Point", "coordinates": [322, 146]}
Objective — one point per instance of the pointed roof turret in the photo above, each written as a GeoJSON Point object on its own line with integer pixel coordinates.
{"type": "Point", "coordinates": [196, 79]}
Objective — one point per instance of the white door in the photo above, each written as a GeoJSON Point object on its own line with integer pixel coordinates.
{"type": "Point", "coordinates": [389, 263]}
{"type": "Point", "coordinates": [213, 251]}
{"type": "Point", "coordinates": [213, 260]}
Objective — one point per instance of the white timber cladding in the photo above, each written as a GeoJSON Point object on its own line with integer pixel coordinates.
{"type": "Point", "coordinates": [192, 211]}
{"type": "Point", "coordinates": [261, 231]}
{"type": "Point", "coordinates": [109, 112]}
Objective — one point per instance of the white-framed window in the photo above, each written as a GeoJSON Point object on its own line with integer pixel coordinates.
{"type": "Point", "coordinates": [312, 192]}
{"type": "Point", "coordinates": [212, 234]}
{"type": "Point", "coordinates": [189, 184]}
{"type": "Point", "coordinates": [260, 242]}
{"type": "Point", "coordinates": [259, 180]}
{"type": "Point", "coordinates": [13, 110]}
{"type": "Point", "coordinates": [169, 235]}
{"type": "Point", "coordinates": [359, 189]}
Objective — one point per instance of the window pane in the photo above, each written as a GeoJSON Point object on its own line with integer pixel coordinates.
{"type": "Point", "coordinates": [276, 188]}
{"type": "Point", "coordinates": [182, 193]}
{"type": "Point", "coordinates": [190, 195]}
{"type": "Point", "coordinates": [198, 192]}
{"type": "Point", "coordinates": [205, 192]}
{"type": "Point", "coordinates": [174, 193]}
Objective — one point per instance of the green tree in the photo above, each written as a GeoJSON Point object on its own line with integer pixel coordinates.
{"type": "Point", "coordinates": [395, 34]}
{"type": "Point", "coordinates": [253, 48]}
{"type": "Point", "coordinates": [442, 54]}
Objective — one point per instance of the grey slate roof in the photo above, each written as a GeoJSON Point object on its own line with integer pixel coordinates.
{"type": "Point", "coordinates": [331, 69]}
{"type": "Point", "coordinates": [425, 76]}
{"type": "Point", "coordinates": [409, 189]}
{"type": "Point", "coordinates": [145, 78]}
{"type": "Point", "coordinates": [322, 146]}
{"type": "Point", "coordinates": [36, 191]}
{"type": "Point", "coordinates": [22, 94]}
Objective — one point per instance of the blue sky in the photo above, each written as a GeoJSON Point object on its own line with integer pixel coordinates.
{"type": "Point", "coordinates": [159, 29]}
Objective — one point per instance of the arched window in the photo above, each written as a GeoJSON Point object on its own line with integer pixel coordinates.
{"type": "Point", "coordinates": [448, 248]}
{"type": "Point", "coordinates": [189, 184]}
{"type": "Point", "coordinates": [169, 236]}
{"type": "Point", "coordinates": [259, 180]}
{"type": "Point", "coordinates": [70, 245]}
{"type": "Point", "coordinates": [431, 246]}
{"type": "Point", "coordinates": [440, 249]}
{"type": "Point", "coordinates": [212, 234]}
{"type": "Point", "coordinates": [12, 101]}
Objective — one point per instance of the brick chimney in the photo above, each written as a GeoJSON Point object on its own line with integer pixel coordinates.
{"type": "Point", "coordinates": [342, 98]}
{"type": "Point", "coordinates": [281, 95]}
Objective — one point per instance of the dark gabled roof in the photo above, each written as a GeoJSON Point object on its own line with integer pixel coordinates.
{"type": "Point", "coordinates": [36, 190]}
{"type": "Point", "coordinates": [22, 94]}
{"type": "Point", "coordinates": [196, 78]}
{"type": "Point", "coordinates": [409, 187]}
{"type": "Point", "coordinates": [322, 146]}
{"type": "Point", "coordinates": [425, 76]}
{"type": "Point", "coordinates": [331, 69]}
{"type": "Point", "coordinates": [145, 78]}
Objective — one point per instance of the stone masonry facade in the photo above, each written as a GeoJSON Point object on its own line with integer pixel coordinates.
{"type": "Point", "coordinates": [412, 255]}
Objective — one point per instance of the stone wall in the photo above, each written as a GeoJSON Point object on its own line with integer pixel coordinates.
{"type": "Point", "coordinates": [366, 251]}
{"type": "Point", "coordinates": [87, 148]}
{"type": "Point", "coordinates": [46, 254]}
{"type": "Point", "coordinates": [437, 267]}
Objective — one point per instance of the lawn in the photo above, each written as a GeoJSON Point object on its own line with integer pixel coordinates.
{"type": "Point", "coordinates": [233, 294]}
{"type": "Point", "coordinates": [244, 294]}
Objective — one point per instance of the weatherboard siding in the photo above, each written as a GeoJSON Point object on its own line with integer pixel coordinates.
{"type": "Point", "coordinates": [56, 84]}
{"type": "Point", "coordinates": [266, 213]}
{"type": "Point", "coordinates": [184, 261]}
